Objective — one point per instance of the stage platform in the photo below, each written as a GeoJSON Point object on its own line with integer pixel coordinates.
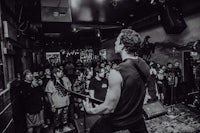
{"type": "Point", "coordinates": [181, 120]}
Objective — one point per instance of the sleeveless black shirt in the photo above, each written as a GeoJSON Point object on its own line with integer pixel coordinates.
{"type": "Point", "coordinates": [129, 108]}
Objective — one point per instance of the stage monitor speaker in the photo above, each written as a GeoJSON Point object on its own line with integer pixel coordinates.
{"type": "Point", "coordinates": [172, 20]}
{"type": "Point", "coordinates": [152, 110]}
{"type": "Point", "coordinates": [90, 120]}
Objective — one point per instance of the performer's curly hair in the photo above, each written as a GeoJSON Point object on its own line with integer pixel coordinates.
{"type": "Point", "coordinates": [131, 40]}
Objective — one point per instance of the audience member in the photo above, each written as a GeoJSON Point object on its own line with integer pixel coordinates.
{"type": "Point", "coordinates": [98, 85]}
{"type": "Point", "coordinates": [32, 102]}
{"type": "Point", "coordinates": [169, 92]}
{"type": "Point", "coordinates": [152, 83]}
{"type": "Point", "coordinates": [59, 98]}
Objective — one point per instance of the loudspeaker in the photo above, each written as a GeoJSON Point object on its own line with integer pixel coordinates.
{"type": "Point", "coordinates": [152, 110]}
{"type": "Point", "coordinates": [172, 19]}
{"type": "Point", "coordinates": [187, 67]}
{"type": "Point", "coordinates": [90, 120]}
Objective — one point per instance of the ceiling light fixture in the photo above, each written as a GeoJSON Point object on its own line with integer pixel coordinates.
{"type": "Point", "coordinates": [131, 15]}
{"type": "Point", "coordinates": [117, 22]}
{"type": "Point", "coordinates": [74, 30]}
{"type": "Point", "coordinates": [98, 33]}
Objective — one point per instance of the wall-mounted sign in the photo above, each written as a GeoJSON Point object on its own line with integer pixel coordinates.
{"type": "Point", "coordinates": [72, 53]}
{"type": "Point", "coordinates": [87, 55]}
{"type": "Point", "coordinates": [53, 57]}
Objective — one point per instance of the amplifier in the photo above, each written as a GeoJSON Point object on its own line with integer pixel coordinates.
{"type": "Point", "coordinates": [90, 120]}
{"type": "Point", "coordinates": [152, 110]}
{"type": "Point", "coordinates": [56, 14]}
{"type": "Point", "coordinates": [56, 11]}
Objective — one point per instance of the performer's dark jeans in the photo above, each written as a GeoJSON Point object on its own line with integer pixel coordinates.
{"type": "Point", "coordinates": [103, 126]}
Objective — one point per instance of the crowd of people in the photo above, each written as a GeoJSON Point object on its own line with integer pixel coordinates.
{"type": "Point", "coordinates": [165, 83]}
{"type": "Point", "coordinates": [45, 98]}
{"type": "Point", "coordinates": [43, 94]}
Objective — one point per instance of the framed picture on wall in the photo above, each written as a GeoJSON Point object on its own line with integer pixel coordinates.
{"type": "Point", "coordinates": [53, 57]}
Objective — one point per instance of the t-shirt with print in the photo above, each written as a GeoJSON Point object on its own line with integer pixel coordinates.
{"type": "Point", "coordinates": [170, 77]}
{"type": "Point", "coordinates": [59, 93]}
{"type": "Point", "coordinates": [99, 87]}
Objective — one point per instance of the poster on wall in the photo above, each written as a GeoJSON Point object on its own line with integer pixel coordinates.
{"type": "Point", "coordinates": [69, 53]}
{"type": "Point", "coordinates": [53, 57]}
{"type": "Point", "coordinates": [86, 55]}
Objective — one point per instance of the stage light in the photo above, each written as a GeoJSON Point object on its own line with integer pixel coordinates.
{"type": "Point", "coordinates": [74, 30]}
{"type": "Point", "coordinates": [98, 33]}
{"type": "Point", "coordinates": [131, 15]}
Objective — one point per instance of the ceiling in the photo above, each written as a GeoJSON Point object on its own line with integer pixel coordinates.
{"type": "Point", "coordinates": [98, 19]}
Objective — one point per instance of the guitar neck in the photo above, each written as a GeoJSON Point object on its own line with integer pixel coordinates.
{"type": "Point", "coordinates": [82, 96]}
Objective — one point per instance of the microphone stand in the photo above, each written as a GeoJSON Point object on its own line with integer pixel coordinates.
{"type": "Point", "coordinates": [173, 87]}
{"type": "Point", "coordinates": [84, 112]}
{"type": "Point", "coordinates": [82, 96]}
{"type": "Point", "coordinates": [84, 120]}
{"type": "Point", "coordinates": [172, 98]}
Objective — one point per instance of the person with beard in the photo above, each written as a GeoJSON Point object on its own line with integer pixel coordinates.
{"type": "Point", "coordinates": [99, 84]}
{"type": "Point", "coordinates": [59, 98]}
{"type": "Point", "coordinates": [123, 105]}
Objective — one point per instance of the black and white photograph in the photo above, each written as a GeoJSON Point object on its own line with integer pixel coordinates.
{"type": "Point", "coordinates": [100, 66]}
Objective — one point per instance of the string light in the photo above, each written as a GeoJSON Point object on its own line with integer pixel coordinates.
{"type": "Point", "coordinates": [74, 29]}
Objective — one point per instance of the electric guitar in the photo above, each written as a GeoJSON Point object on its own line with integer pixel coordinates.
{"type": "Point", "coordinates": [82, 96]}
